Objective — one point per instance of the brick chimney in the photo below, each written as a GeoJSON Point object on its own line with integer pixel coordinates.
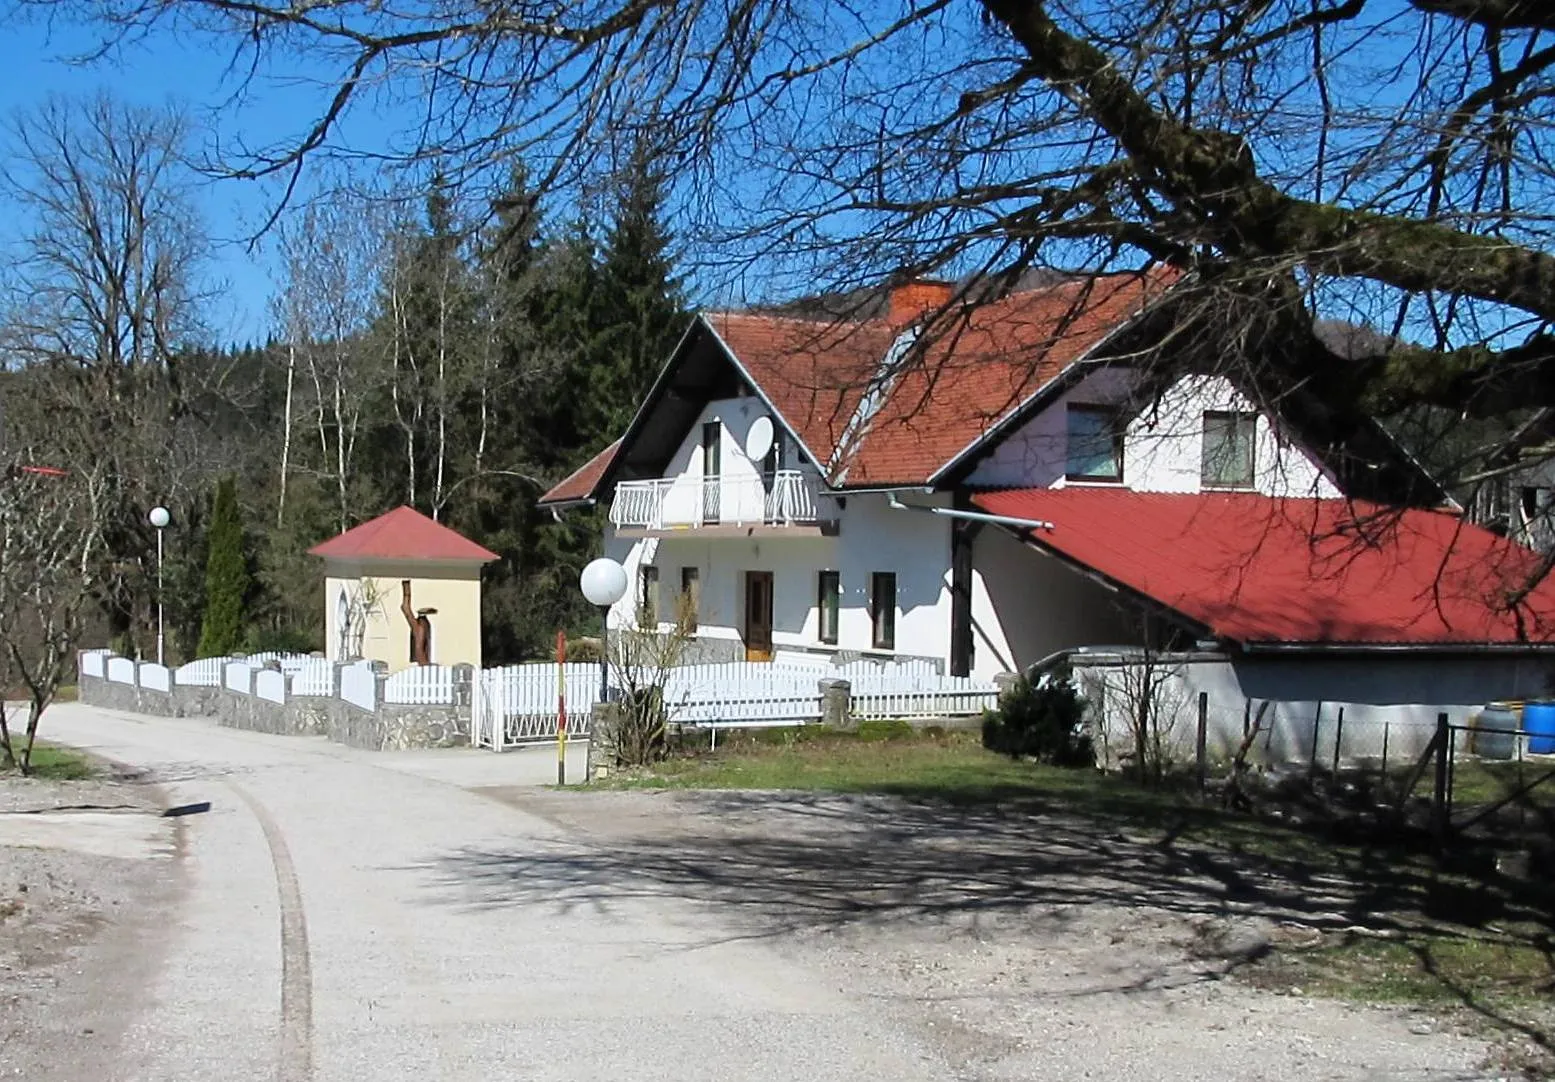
{"type": "Point", "coordinates": [916, 297]}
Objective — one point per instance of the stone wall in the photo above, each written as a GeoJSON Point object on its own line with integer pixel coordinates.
{"type": "Point", "coordinates": [393, 726]}
{"type": "Point", "coordinates": [407, 726]}
{"type": "Point", "coordinates": [354, 727]}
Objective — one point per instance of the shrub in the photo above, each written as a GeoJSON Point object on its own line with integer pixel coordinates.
{"type": "Point", "coordinates": [894, 729]}
{"type": "Point", "coordinates": [1045, 721]}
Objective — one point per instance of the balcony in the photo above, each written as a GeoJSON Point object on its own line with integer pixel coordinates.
{"type": "Point", "coordinates": [744, 505]}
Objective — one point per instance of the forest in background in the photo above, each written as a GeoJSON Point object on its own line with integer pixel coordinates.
{"type": "Point", "coordinates": [461, 371]}
{"type": "Point", "coordinates": [456, 358]}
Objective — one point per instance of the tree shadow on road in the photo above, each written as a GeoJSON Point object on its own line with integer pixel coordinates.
{"type": "Point", "coordinates": [818, 861]}
{"type": "Point", "coordinates": [784, 864]}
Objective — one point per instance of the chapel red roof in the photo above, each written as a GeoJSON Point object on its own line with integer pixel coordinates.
{"type": "Point", "coordinates": [1258, 570]}
{"type": "Point", "coordinates": [579, 484]}
{"type": "Point", "coordinates": [403, 534]}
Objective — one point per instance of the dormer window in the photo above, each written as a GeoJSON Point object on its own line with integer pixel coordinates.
{"type": "Point", "coordinates": [1095, 448]}
{"type": "Point", "coordinates": [1228, 450]}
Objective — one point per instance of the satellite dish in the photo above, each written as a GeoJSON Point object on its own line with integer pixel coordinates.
{"type": "Point", "coordinates": [758, 441]}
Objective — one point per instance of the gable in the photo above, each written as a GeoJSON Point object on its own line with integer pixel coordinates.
{"type": "Point", "coordinates": [1163, 439]}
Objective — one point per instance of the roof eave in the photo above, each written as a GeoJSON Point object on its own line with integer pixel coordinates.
{"type": "Point", "coordinates": [373, 557]}
{"type": "Point", "coordinates": [1277, 647]}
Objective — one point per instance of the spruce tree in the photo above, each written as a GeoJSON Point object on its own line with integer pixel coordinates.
{"type": "Point", "coordinates": [643, 312]}
{"type": "Point", "coordinates": [226, 575]}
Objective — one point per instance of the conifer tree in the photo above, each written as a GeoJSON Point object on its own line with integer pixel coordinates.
{"type": "Point", "coordinates": [226, 575]}
{"type": "Point", "coordinates": [644, 312]}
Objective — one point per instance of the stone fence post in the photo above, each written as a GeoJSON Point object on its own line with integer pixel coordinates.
{"type": "Point", "coordinates": [837, 703]}
{"type": "Point", "coordinates": [464, 682]}
{"type": "Point", "coordinates": [604, 727]}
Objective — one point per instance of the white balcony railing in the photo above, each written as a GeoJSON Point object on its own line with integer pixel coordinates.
{"type": "Point", "coordinates": [678, 503]}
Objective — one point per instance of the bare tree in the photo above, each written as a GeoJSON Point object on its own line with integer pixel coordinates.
{"type": "Point", "coordinates": [1388, 164]}
{"type": "Point", "coordinates": [100, 302]}
{"type": "Point", "coordinates": [52, 559]}
{"type": "Point", "coordinates": [333, 254]}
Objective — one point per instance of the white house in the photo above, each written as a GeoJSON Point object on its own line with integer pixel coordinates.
{"type": "Point", "coordinates": [1017, 486]}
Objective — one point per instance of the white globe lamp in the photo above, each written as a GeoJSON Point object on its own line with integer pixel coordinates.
{"type": "Point", "coordinates": [603, 583]}
{"type": "Point", "coordinates": [159, 518]}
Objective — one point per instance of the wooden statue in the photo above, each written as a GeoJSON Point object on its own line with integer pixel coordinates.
{"type": "Point", "coordinates": [420, 627]}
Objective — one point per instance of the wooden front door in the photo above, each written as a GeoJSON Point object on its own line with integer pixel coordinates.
{"type": "Point", "coordinates": [758, 616]}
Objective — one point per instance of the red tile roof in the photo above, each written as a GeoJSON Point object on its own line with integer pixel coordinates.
{"type": "Point", "coordinates": [983, 367]}
{"type": "Point", "coordinates": [579, 484]}
{"type": "Point", "coordinates": [1254, 569]}
{"type": "Point", "coordinates": [974, 370]}
{"type": "Point", "coordinates": [403, 534]}
{"type": "Point", "coordinates": [813, 371]}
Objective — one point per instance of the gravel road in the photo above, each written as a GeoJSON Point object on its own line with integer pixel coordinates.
{"type": "Point", "coordinates": [344, 916]}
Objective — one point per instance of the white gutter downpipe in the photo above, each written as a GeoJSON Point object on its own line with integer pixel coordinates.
{"type": "Point", "coordinates": [974, 516]}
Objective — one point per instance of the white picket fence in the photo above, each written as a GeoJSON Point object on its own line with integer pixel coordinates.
{"type": "Point", "coordinates": [742, 694]}
{"type": "Point", "coordinates": [429, 684]}
{"type": "Point", "coordinates": [205, 673]}
{"type": "Point", "coordinates": [315, 676]}
{"type": "Point", "coordinates": [920, 696]}
{"type": "Point", "coordinates": [518, 704]}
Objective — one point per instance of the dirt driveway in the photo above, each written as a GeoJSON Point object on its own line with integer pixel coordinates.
{"type": "Point", "coordinates": [88, 874]}
{"type": "Point", "coordinates": [1023, 948]}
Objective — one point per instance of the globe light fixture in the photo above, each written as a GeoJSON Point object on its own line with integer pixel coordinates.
{"type": "Point", "coordinates": [603, 583]}
{"type": "Point", "coordinates": [159, 518]}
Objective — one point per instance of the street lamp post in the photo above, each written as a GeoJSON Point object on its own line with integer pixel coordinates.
{"type": "Point", "coordinates": [604, 583]}
{"type": "Point", "coordinates": [159, 518]}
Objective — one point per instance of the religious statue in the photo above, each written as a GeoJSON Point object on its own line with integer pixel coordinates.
{"type": "Point", "coordinates": [420, 627]}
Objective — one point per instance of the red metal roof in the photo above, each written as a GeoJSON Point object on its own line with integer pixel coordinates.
{"type": "Point", "coordinates": [579, 484]}
{"type": "Point", "coordinates": [1260, 570]}
{"type": "Point", "coordinates": [403, 534]}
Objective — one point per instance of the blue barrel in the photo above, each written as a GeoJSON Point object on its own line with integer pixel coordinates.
{"type": "Point", "coordinates": [1539, 720]}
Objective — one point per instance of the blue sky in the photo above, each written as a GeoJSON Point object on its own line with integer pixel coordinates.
{"type": "Point", "coordinates": [160, 70]}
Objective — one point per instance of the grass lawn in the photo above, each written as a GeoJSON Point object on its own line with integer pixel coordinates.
{"type": "Point", "coordinates": [58, 764]}
{"type": "Point", "coordinates": [1453, 939]}
{"type": "Point", "coordinates": [1478, 781]}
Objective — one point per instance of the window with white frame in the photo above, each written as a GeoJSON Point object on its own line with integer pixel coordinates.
{"type": "Point", "coordinates": [689, 604]}
{"type": "Point", "coordinates": [828, 603]}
